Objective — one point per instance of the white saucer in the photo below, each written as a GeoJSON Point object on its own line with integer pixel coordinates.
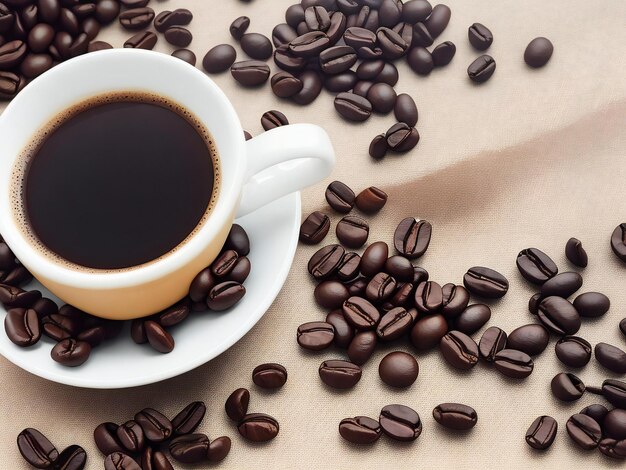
{"type": "Point", "coordinates": [273, 232]}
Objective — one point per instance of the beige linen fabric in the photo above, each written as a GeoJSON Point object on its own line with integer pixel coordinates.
{"type": "Point", "coordinates": [530, 158]}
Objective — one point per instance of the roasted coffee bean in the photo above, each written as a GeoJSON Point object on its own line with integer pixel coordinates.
{"type": "Point", "coordinates": [238, 240]}
{"type": "Point", "coordinates": [615, 392]}
{"type": "Point", "coordinates": [485, 282]}
{"type": "Point", "coordinates": [374, 258]}
{"type": "Point", "coordinates": [391, 43]}
{"type": "Point", "coordinates": [428, 297]}
{"type": "Point", "coordinates": [289, 62]}
{"type": "Point", "coordinates": [144, 40]}
{"type": "Point", "coordinates": [575, 252]}
{"type": "Point", "coordinates": [562, 285]}
{"type": "Point", "coordinates": [459, 350]}
{"type": "Point", "coordinates": [219, 59]}
{"type": "Point", "coordinates": [341, 82]}
{"type": "Point", "coordinates": [613, 448]}
{"type": "Point", "coordinates": [378, 147]}
{"type": "Point", "coordinates": [360, 313]}
{"type": "Point", "coordinates": [573, 351]}
{"type": "Point", "coordinates": [285, 85]}
{"type": "Point", "coordinates": [283, 34]}
{"type": "Point", "coordinates": [371, 200]}
{"type": "Point", "coordinates": [309, 44]}
{"type": "Point", "coordinates": [36, 449]}
{"type": "Point", "coordinates": [369, 70]}
{"type": "Point", "coordinates": [559, 316]}
{"type": "Point", "coordinates": [416, 10]}
{"type": "Point", "coordinates": [167, 19]}
{"type": "Point", "coordinates": [421, 37]}
{"type": "Point", "coordinates": [538, 52]}
{"type": "Point", "coordinates": [331, 294]}
{"type": "Point", "coordinates": [250, 73]}
{"type": "Point", "coordinates": [22, 326]}
{"type": "Point", "coordinates": [398, 369]}
{"type": "Point", "coordinates": [611, 357]}
{"type": "Point", "coordinates": [105, 437]}
{"type": "Point", "coordinates": [158, 337]}
{"type": "Point", "coordinates": [541, 433]}
{"type": "Point", "coordinates": [400, 268]}
{"type": "Point", "coordinates": [491, 343]}
{"type": "Point", "coordinates": [353, 107]}
{"type": "Point", "coordinates": [420, 60]}
{"type": "Point", "coordinates": [188, 419]}
{"type": "Point", "coordinates": [239, 26]}
{"type": "Point", "coordinates": [7, 16]}
{"type": "Point", "coordinates": [325, 261]}
{"type": "Point", "coordinates": [70, 352]}
{"type": "Point", "coordinates": [614, 425]}
{"type": "Point", "coordinates": [294, 15]}
{"type": "Point", "coordinates": [40, 37]}
{"type": "Point", "coordinates": [201, 285]}
{"type": "Point", "coordinates": [382, 97]}
{"type": "Point", "coordinates": [314, 228]}
{"type": "Point", "coordinates": [362, 87]}
{"type": "Point", "coordinates": [380, 288]}
{"type": "Point", "coordinates": [237, 404]}
{"type": "Point", "coordinates": [343, 331]}
{"type": "Point", "coordinates": [337, 59]}
{"type": "Point", "coordinates": [218, 449]}
{"type": "Point", "coordinates": [481, 69]}
{"type": "Point", "coordinates": [362, 347]}
{"type": "Point", "coordinates": [349, 267]}
{"type": "Point", "coordinates": [455, 416]}
{"type": "Point", "coordinates": [340, 197]}
{"type": "Point", "coordinates": [438, 20]}
{"type": "Point", "coordinates": [185, 55]}
{"type": "Point", "coordinates": [394, 324]}
{"type": "Point", "coordinates": [272, 119]}
{"type": "Point", "coordinates": [405, 110]}
{"type": "Point", "coordinates": [258, 427]}
{"type": "Point", "coordinates": [317, 18]}
{"type": "Point", "coordinates": [428, 332]}
{"type": "Point", "coordinates": [14, 297]}
{"type": "Point", "coordinates": [136, 18]}
{"type": "Point", "coordinates": [472, 319]}
{"type": "Point", "coordinates": [584, 431]}
{"type": "Point", "coordinates": [412, 237]}
{"type": "Point", "coordinates": [34, 65]}
{"type": "Point", "coordinates": [405, 30]}
{"type": "Point", "coordinates": [390, 12]}
{"type": "Point", "coordinates": [45, 307]}
{"type": "Point", "coordinates": [130, 435]}
{"type": "Point", "coordinates": [96, 46]}
{"type": "Point", "coordinates": [455, 300]}
{"type": "Point", "coordinates": [182, 37]}
{"type": "Point", "coordinates": [512, 363]}
{"type": "Point", "coordinates": [155, 426]}
{"type": "Point", "coordinates": [622, 326]}
{"type": "Point", "coordinates": [190, 448]}
{"type": "Point", "coordinates": [360, 430]}
{"type": "Point", "coordinates": [10, 85]}
{"type": "Point", "coordinates": [89, 9]}
{"type": "Point", "coordinates": [480, 36]}
{"type": "Point", "coordinates": [257, 46]}
{"type": "Point", "coordinates": [357, 37]}
{"type": "Point", "coordinates": [269, 376]}
{"type": "Point", "coordinates": [592, 304]}
{"type": "Point", "coordinates": [93, 336]}
{"type": "Point", "coordinates": [225, 295]}
{"type": "Point", "coordinates": [338, 22]}
{"type": "Point", "coordinates": [120, 461]}
{"type": "Point", "coordinates": [19, 275]}
{"type": "Point", "coordinates": [400, 422]}
{"type": "Point", "coordinates": [567, 387]}
{"type": "Point", "coordinates": [340, 374]}
{"type": "Point", "coordinates": [173, 315]}
{"type": "Point", "coordinates": [618, 238]}
{"type": "Point", "coordinates": [597, 412]}
{"type": "Point", "coordinates": [154, 459]}
{"type": "Point", "coordinates": [536, 266]}
{"type": "Point", "coordinates": [315, 335]}
{"type": "Point", "coordinates": [73, 457]}
{"type": "Point", "coordinates": [224, 263]}
{"type": "Point", "coordinates": [443, 53]}
{"type": "Point", "coordinates": [531, 339]}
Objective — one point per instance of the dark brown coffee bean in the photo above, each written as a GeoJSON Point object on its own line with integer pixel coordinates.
{"type": "Point", "coordinates": [559, 316]}
{"type": "Point", "coordinates": [155, 426]}
{"type": "Point", "coordinates": [237, 404]}
{"type": "Point", "coordinates": [239, 26]}
{"type": "Point", "coordinates": [22, 326]}
{"type": "Point", "coordinates": [360, 313]}
{"type": "Point", "coordinates": [250, 73]}
{"type": "Point", "coordinates": [491, 343]}
{"type": "Point", "coordinates": [317, 18]}
{"type": "Point", "coordinates": [40, 37]}
{"type": "Point", "coordinates": [562, 285]}
{"type": "Point", "coordinates": [374, 258]}
{"type": "Point", "coordinates": [224, 263]}
{"type": "Point", "coordinates": [188, 419]}
{"type": "Point", "coordinates": [438, 20]}
{"type": "Point", "coordinates": [584, 431]}
{"type": "Point", "coordinates": [353, 107]}
{"type": "Point", "coordinates": [443, 54]}
{"type": "Point", "coordinates": [614, 425]}
{"type": "Point", "coordinates": [167, 19]}
{"type": "Point", "coordinates": [459, 350]}
{"type": "Point", "coordinates": [287, 61]}
{"type": "Point", "coordinates": [391, 43]}
{"type": "Point", "coordinates": [105, 437]}
{"type": "Point", "coordinates": [60, 327]}
{"type": "Point", "coordinates": [592, 304]}
{"type": "Point", "coordinates": [309, 44]}
{"type": "Point", "coordinates": [480, 36]}
{"type": "Point", "coordinates": [154, 460]}
{"type": "Point", "coordinates": [219, 59]}
{"type": "Point", "coordinates": [455, 416]}
{"type": "Point", "coordinates": [315, 335]}
{"type": "Point", "coordinates": [136, 18]}
{"type": "Point", "coordinates": [596, 411]}
{"type": "Point", "coordinates": [382, 97]}
{"type": "Point", "coordinates": [190, 448]}
{"type": "Point", "coordinates": [258, 427]}
{"type": "Point", "coordinates": [398, 369]}
{"type": "Point", "coordinates": [371, 200]}
{"type": "Point", "coordinates": [421, 37]}
{"type": "Point", "coordinates": [48, 10]}
{"type": "Point", "coordinates": [615, 392]}
{"type": "Point", "coordinates": [331, 294]}
{"type": "Point", "coordinates": [428, 297]}
{"type": "Point", "coordinates": [272, 119]}
{"type": "Point", "coordinates": [512, 363]}
{"type": "Point", "coordinates": [93, 336]}
{"type": "Point", "coordinates": [201, 285]}
{"type": "Point", "coordinates": [158, 337]}
{"type": "Point", "coordinates": [405, 110]}
{"type": "Point", "coordinates": [343, 332]}
{"type": "Point", "coordinates": [370, 70]}
{"type": "Point", "coordinates": [68, 21]}
{"type": "Point", "coordinates": [380, 288]}
{"type": "Point", "coordinates": [567, 387]}
{"type": "Point", "coordinates": [531, 339]}
{"type": "Point", "coordinates": [419, 275]}
{"type": "Point", "coordinates": [361, 88]}
{"type": "Point", "coordinates": [536, 266]}
{"type": "Point", "coordinates": [394, 324]}
{"type": "Point", "coordinates": [416, 10]}
{"type": "Point", "coordinates": [285, 85]}
{"type": "Point", "coordinates": [314, 228]}
{"type": "Point", "coordinates": [270, 375]}
{"type": "Point", "coordinates": [73, 457]}
{"type": "Point", "coordinates": [400, 423]}
{"type": "Point", "coordinates": [400, 268]}
{"type": "Point", "coordinates": [174, 315]}
{"type": "Point", "coordinates": [538, 52]}
{"type": "Point", "coordinates": [96, 46]}
{"type": "Point", "coordinates": [219, 449]}
{"type": "Point", "coordinates": [70, 352]}
{"type": "Point", "coordinates": [420, 60]}
{"type": "Point", "coordinates": [341, 82]}
{"type": "Point", "coordinates": [340, 197]}
{"type": "Point", "coordinates": [36, 449]}
{"type": "Point", "coordinates": [358, 37]}
{"type": "Point", "coordinates": [10, 85]}
{"type": "Point", "coordinates": [7, 17]}
{"type": "Point", "coordinates": [485, 282]}
{"type": "Point", "coordinates": [238, 240]}
{"type": "Point", "coordinates": [360, 430]}
{"type": "Point", "coordinates": [87, 9]}
{"type": "Point", "coordinates": [618, 238]}
{"type": "Point", "coordinates": [472, 319]}
{"type": "Point", "coordinates": [144, 40]}
{"type": "Point", "coordinates": [412, 237]}
{"type": "Point", "coordinates": [481, 69]}
{"type": "Point", "coordinates": [11, 54]}
{"type": "Point", "coordinates": [428, 331]}
{"type": "Point", "coordinates": [575, 252]}
{"type": "Point", "coordinates": [120, 461]}
{"type": "Point", "coordinates": [611, 357]}
{"type": "Point", "coordinates": [541, 433]}
{"type": "Point", "coordinates": [348, 269]}
{"type": "Point", "coordinates": [311, 88]}
{"type": "Point", "coordinates": [362, 347]}
{"type": "Point", "coordinates": [340, 374]}
{"type": "Point", "coordinates": [45, 307]}
{"type": "Point", "coordinates": [455, 300]}
{"type": "Point", "coordinates": [378, 147]}
{"type": "Point", "coordinates": [131, 436]}
{"type": "Point", "coordinates": [337, 59]}
{"type": "Point", "coordinates": [224, 296]}
{"type": "Point", "coordinates": [283, 34]}
{"type": "Point", "coordinates": [390, 12]}
{"type": "Point", "coordinates": [613, 448]}
{"type": "Point", "coordinates": [180, 37]}
{"type": "Point", "coordinates": [34, 65]}
{"type": "Point", "coordinates": [257, 46]}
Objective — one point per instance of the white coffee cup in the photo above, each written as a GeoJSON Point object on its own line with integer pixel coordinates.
{"type": "Point", "coordinates": [253, 173]}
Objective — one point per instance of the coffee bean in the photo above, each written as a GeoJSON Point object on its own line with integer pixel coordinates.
{"type": "Point", "coordinates": [73, 457]}
{"type": "Point", "coordinates": [597, 412]}
{"type": "Point", "coordinates": [136, 18]}
{"type": "Point", "coordinates": [562, 285]}
{"type": "Point", "coordinates": [287, 61]}
{"type": "Point", "coordinates": [421, 37]}
{"type": "Point", "coordinates": [239, 26]}
{"type": "Point", "coordinates": [174, 315]}
{"type": "Point", "coordinates": [391, 43]}
{"type": "Point", "coordinates": [382, 97]}
{"type": "Point", "coordinates": [60, 327]}
{"type": "Point", "coordinates": [400, 422]}
{"type": "Point", "coordinates": [428, 297]}
{"type": "Point", "coordinates": [371, 200]}
{"type": "Point", "coordinates": [567, 387]}
{"type": "Point", "coordinates": [614, 425]}
{"type": "Point", "coordinates": [541, 433]}
{"type": "Point", "coordinates": [36, 449]}
{"type": "Point", "coordinates": [416, 10]}
{"type": "Point", "coordinates": [201, 285]}
{"type": "Point", "coordinates": [481, 69]}
{"type": "Point", "coordinates": [428, 332]}
{"type": "Point", "coordinates": [512, 363]}
{"type": "Point", "coordinates": [378, 147]}
{"type": "Point", "coordinates": [394, 324]}
{"type": "Point", "coordinates": [353, 107]}
{"type": "Point", "coordinates": [315, 335]}
{"type": "Point", "coordinates": [34, 65]}
{"type": "Point", "coordinates": [584, 431]}
{"type": "Point", "coordinates": [472, 319]}
{"type": "Point", "coordinates": [343, 332]}
{"type": "Point", "coordinates": [338, 22]}
{"type": "Point", "coordinates": [283, 34]}
{"type": "Point", "coordinates": [93, 336]}
{"type": "Point", "coordinates": [144, 40]}
{"type": "Point", "coordinates": [337, 59]}
{"type": "Point", "coordinates": [167, 19]}
{"type": "Point", "coordinates": [538, 52]}
{"type": "Point", "coordinates": [70, 352]}
{"type": "Point", "coordinates": [573, 351]}
{"type": "Point", "coordinates": [220, 58]}
{"type": "Point", "coordinates": [22, 326]}
{"type": "Point", "coordinates": [420, 60]}
{"type": "Point", "coordinates": [400, 268]}
{"type": "Point", "coordinates": [340, 197]}
{"type": "Point", "coordinates": [622, 326]}
{"type": "Point", "coordinates": [272, 119]}
{"type": "Point", "coordinates": [398, 369]}
{"type": "Point", "coordinates": [374, 258]}
{"type": "Point", "coordinates": [459, 350]}
{"type": "Point", "coordinates": [380, 288]}
{"type": "Point", "coordinates": [105, 437]}
{"type": "Point", "coordinates": [225, 295]}
{"type": "Point", "coordinates": [360, 430]}
{"type": "Point", "coordinates": [188, 419]}
{"type": "Point", "coordinates": [369, 70]}
{"type": "Point", "coordinates": [120, 461]}
{"type": "Point", "coordinates": [237, 404]}
{"type": "Point", "coordinates": [341, 82]}
{"type": "Point", "coordinates": [455, 300]}
{"type": "Point", "coordinates": [14, 297]}
{"type": "Point", "coordinates": [412, 237]}
{"type": "Point", "coordinates": [285, 85]}
{"type": "Point", "coordinates": [158, 337]}
{"type": "Point", "coordinates": [592, 304]}
{"type": "Point", "coordinates": [96, 46]}
{"type": "Point", "coordinates": [536, 266]}
{"type": "Point", "coordinates": [250, 73]}
{"type": "Point", "coordinates": [317, 18]}
{"type": "Point", "coordinates": [155, 426]}
{"type": "Point", "coordinates": [314, 228]}
{"type": "Point", "coordinates": [360, 313]}
{"type": "Point", "coordinates": [357, 37]}
{"type": "Point", "coordinates": [405, 110]}
{"type": "Point", "coordinates": [269, 376]}
{"type": "Point", "coordinates": [238, 240]}
{"type": "Point", "coordinates": [348, 268]}
{"type": "Point", "coordinates": [615, 392]}
{"type": "Point", "coordinates": [10, 85]}
{"type": "Point", "coordinates": [491, 343]}
{"type": "Point", "coordinates": [362, 87]}
{"type": "Point", "coordinates": [575, 252]}
{"type": "Point", "coordinates": [390, 12]}
{"type": "Point", "coordinates": [618, 238]}
{"type": "Point", "coordinates": [325, 261]}
{"type": "Point", "coordinates": [130, 435]}
{"type": "Point", "coordinates": [257, 46]}
{"type": "Point", "coordinates": [611, 357]}
{"type": "Point", "coordinates": [612, 448]}
{"type": "Point", "coordinates": [218, 449]}
{"type": "Point", "coordinates": [455, 416]}
{"type": "Point", "coordinates": [190, 448]}
{"type": "Point", "coordinates": [185, 55]}
{"type": "Point", "coordinates": [559, 316]}
{"type": "Point", "coordinates": [485, 282]}
{"type": "Point", "coordinates": [224, 263]}
{"type": "Point", "coordinates": [40, 37]}
{"type": "Point", "coordinates": [258, 427]}
{"type": "Point", "coordinates": [331, 294]}
{"type": "Point", "coordinates": [443, 53]}
{"type": "Point", "coordinates": [480, 36]}
{"type": "Point", "coordinates": [438, 20]}
{"type": "Point", "coordinates": [531, 339]}
{"type": "Point", "coordinates": [362, 347]}
{"type": "Point", "coordinates": [181, 37]}
{"type": "Point", "coordinates": [309, 44]}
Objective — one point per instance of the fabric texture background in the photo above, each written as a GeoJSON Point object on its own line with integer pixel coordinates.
{"type": "Point", "coordinates": [530, 158]}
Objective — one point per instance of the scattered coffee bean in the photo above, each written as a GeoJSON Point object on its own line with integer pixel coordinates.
{"type": "Point", "coordinates": [480, 36]}
{"type": "Point", "coordinates": [400, 268]}
{"type": "Point", "coordinates": [405, 110]}
{"type": "Point", "coordinates": [394, 324]}
{"type": "Point", "coordinates": [219, 59]}
{"type": "Point", "coordinates": [250, 73]}
{"type": "Point", "coordinates": [340, 197]}
{"type": "Point", "coordinates": [343, 333]}
{"type": "Point", "coordinates": [472, 319]}
{"type": "Point", "coordinates": [573, 351]}
{"type": "Point", "coordinates": [481, 69]}
{"type": "Point", "coordinates": [120, 461]}
{"type": "Point", "coordinates": [401, 138]}
{"type": "Point", "coordinates": [459, 350]}
{"type": "Point", "coordinates": [567, 387]}
{"type": "Point", "coordinates": [382, 97]}
{"type": "Point", "coordinates": [188, 419]}
{"type": "Point", "coordinates": [584, 431]}
{"type": "Point", "coordinates": [611, 357]}
{"type": "Point", "coordinates": [340, 374]}
{"type": "Point", "coordinates": [613, 448]}
{"type": "Point", "coordinates": [618, 238]}
{"type": "Point", "coordinates": [239, 26]}
{"type": "Point", "coordinates": [70, 352]}
{"type": "Point", "coordinates": [178, 36]}
{"type": "Point", "coordinates": [538, 52]}
{"type": "Point", "coordinates": [374, 258]}
{"type": "Point", "coordinates": [190, 448]}
{"type": "Point", "coordinates": [438, 20]}
{"type": "Point", "coordinates": [237, 404]}
{"type": "Point", "coordinates": [360, 430]}
{"type": "Point", "coordinates": [273, 119]}
{"type": "Point", "coordinates": [562, 285]}
{"type": "Point", "coordinates": [167, 19]}
{"type": "Point", "coordinates": [400, 422]}
{"type": "Point", "coordinates": [257, 46]}
{"type": "Point", "coordinates": [316, 335]}
{"type": "Point", "coordinates": [353, 107]}
{"type": "Point", "coordinates": [513, 363]}
{"type": "Point", "coordinates": [541, 433]}
{"type": "Point", "coordinates": [73, 457]}
{"type": "Point", "coordinates": [485, 282]}
{"type": "Point", "coordinates": [597, 412]}
{"type": "Point", "coordinates": [136, 18]}
{"type": "Point", "coordinates": [285, 85]}
{"type": "Point", "coordinates": [270, 375]}
{"type": "Point", "coordinates": [185, 55]}
{"type": "Point", "coordinates": [615, 392]}
{"type": "Point", "coordinates": [420, 60]}
{"type": "Point", "coordinates": [559, 316]}
{"type": "Point", "coordinates": [532, 339]}
{"type": "Point", "coordinates": [283, 34]}
{"type": "Point", "coordinates": [331, 294]}
{"type": "Point", "coordinates": [622, 326]}
{"type": "Point", "coordinates": [325, 261]}
{"type": "Point", "coordinates": [36, 449]}
{"type": "Point", "coordinates": [455, 416]}
{"type": "Point", "coordinates": [360, 313]}
{"type": "Point", "coordinates": [105, 437]}
{"type": "Point", "coordinates": [22, 326]}
{"type": "Point", "coordinates": [362, 347]}
{"type": "Point", "coordinates": [455, 300]}
{"type": "Point", "coordinates": [218, 449]}
{"type": "Point", "coordinates": [398, 369]}
{"type": "Point", "coordinates": [492, 342]}
{"type": "Point", "coordinates": [575, 252]}
{"type": "Point", "coordinates": [352, 231]}
{"type": "Point", "coordinates": [144, 40]}
{"type": "Point", "coordinates": [592, 304]}
{"type": "Point", "coordinates": [412, 237]}
{"type": "Point", "coordinates": [348, 269]}
{"type": "Point", "coordinates": [428, 332]}
{"type": "Point", "coordinates": [378, 147]}
{"type": "Point", "coordinates": [443, 54]}
{"type": "Point", "coordinates": [158, 337]}
{"type": "Point", "coordinates": [156, 427]}
{"type": "Point", "coordinates": [258, 427]}
{"type": "Point", "coordinates": [428, 297]}
{"type": "Point", "coordinates": [371, 200]}
{"type": "Point", "coordinates": [130, 435]}
{"type": "Point", "coordinates": [380, 288]}
{"type": "Point", "coordinates": [225, 295]}
{"type": "Point", "coordinates": [536, 266]}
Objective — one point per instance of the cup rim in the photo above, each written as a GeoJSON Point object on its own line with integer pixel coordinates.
{"type": "Point", "coordinates": [224, 208]}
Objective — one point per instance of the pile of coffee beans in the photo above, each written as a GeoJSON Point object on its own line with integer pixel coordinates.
{"type": "Point", "coordinates": [39, 452]}
{"type": "Point", "coordinates": [142, 442]}
{"type": "Point", "coordinates": [31, 316]}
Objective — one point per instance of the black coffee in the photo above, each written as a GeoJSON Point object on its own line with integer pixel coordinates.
{"type": "Point", "coordinates": [117, 181]}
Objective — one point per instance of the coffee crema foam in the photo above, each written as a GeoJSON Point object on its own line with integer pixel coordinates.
{"type": "Point", "coordinates": [21, 166]}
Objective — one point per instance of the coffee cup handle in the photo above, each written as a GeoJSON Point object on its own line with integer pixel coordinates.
{"type": "Point", "coordinates": [284, 160]}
